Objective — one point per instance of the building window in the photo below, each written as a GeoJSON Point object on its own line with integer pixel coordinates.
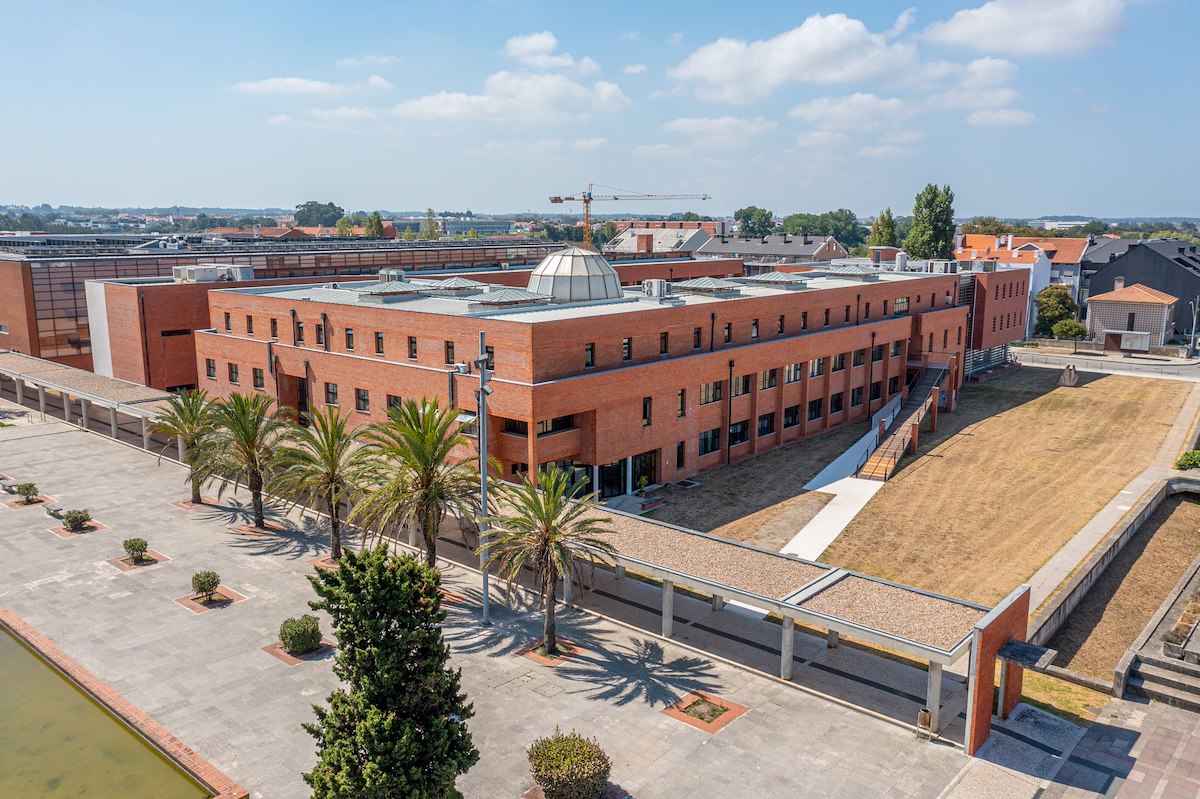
{"type": "Point", "coordinates": [866, 310]}
{"type": "Point", "coordinates": [320, 335]}
{"type": "Point", "coordinates": [768, 378]}
{"type": "Point", "coordinates": [948, 298]}
{"type": "Point", "coordinates": [520, 468]}
{"type": "Point", "coordinates": [945, 339]}
{"type": "Point", "coordinates": [362, 400]}
{"type": "Point", "coordinates": [791, 416]}
{"type": "Point", "coordinates": [249, 325]}
{"type": "Point", "coordinates": [710, 441]}
{"type": "Point", "coordinates": [860, 357]}
{"type": "Point", "coordinates": [696, 338]}
{"type": "Point", "coordinates": [876, 390]}
{"type": "Point", "coordinates": [779, 325]}
{"type": "Point", "coordinates": [210, 368]}
{"type": "Point", "coordinates": [893, 384]}
{"type": "Point", "coordinates": [681, 403]}
{"type": "Point", "coordinates": [664, 343]}
{"type": "Point", "coordinates": [754, 330]}
{"type": "Point", "coordinates": [257, 374]}
{"type": "Point", "coordinates": [412, 346]}
{"type": "Point", "coordinates": [274, 328]}
{"type": "Point", "coordinates": [228, 323]}
{"type": "Point", "coordinates": [626, 349]}
{"type": "Point", "coordinates": [331, 394]}
{"type": "Point", "coordinates": [836, 402]}
{"type": "Point", "coordinates": [804, 320]}
{"type": "Point", "coordinates": [728, 332]}
{"type": "Point", "coordinates": [233, 373]}
{"type": "Point", "coordinates": [960, 335]}
{"type": "Point", "coordinates": [885, 302]}
{"type": "Point", "coordinates": [896, 345]}
{"type": "Point", "coordinates": [589, 356]}
{"type": "Point", "coordinates": [816, 367]}
{"type": "Point", "coordinates": [489, 357]}
{"type": "Point", "coordinates": [555, 425]}
{"type": "Point", "coordinates": [739, 433]}
{"type": "Point", "coordinates": [449, 352]}
{"type": "Point", "coordinates": [350, 339]}
{"type": "Point", "coordinates": [393, 401]}
{"type": "Point", "coordinates": [877, 352]}
{"type": "Point", "coordinates": [710, 392]}
{"type": "Point", "coordinates": [793, 372]}
{"type": "Point", "coordinates": [856, 397]}
{"type": "Point", "coordinates": [766, 424]}
{"type": "Point", "coordinates": [839, 362]}
{"type": "Point", "coordinates": [826, 317]}
{"type": "Point", "coordinates": [647, 411]}
{"type": "Point", "coordinates": [900, 306]}
{"type": "Point", "coordinates": [816, 409]}
{"type": "Point", "coordinates": [741, 386]}
{"type": "Point", "coordinates": [679, 455]}
{"type": "Point", "coordinates": [299, 332]}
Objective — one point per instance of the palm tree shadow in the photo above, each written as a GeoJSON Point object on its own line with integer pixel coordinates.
{"type": "Point", "coordinates": [308, 538]}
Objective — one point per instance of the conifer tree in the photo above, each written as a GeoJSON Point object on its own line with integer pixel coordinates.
{"type": "Point", "coordinates": [883, 231]}
{"type": "Point", "coordinates": [932, 232]}
{"type": "Point", "coordinates": [397, 728]}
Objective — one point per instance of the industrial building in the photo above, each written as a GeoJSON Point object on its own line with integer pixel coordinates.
{"type": "Point", "coordinates": [626, 386]}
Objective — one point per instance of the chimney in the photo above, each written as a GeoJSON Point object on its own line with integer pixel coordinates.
{"type": "Point", "coordinates": [1118, 283]}
{"type": "Point", "coordinates": [645, 242]}
{"type": "Point", "coordinates": [1010, 240]}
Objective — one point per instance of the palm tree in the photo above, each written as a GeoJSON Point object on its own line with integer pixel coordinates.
{"type": "Point", "coordinates": [550, 527]}
{"type": "Point", "coordinates": [243, 446]}
{"type": "Point", "coordinates": [187, 417]}
{"type": "Point", "coordinates": [417, 478]}
{"type": "Point", "coordinates": [322, 462]}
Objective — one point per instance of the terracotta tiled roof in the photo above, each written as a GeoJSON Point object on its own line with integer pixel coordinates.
{"type": "Point", "coordinates": [1065, 251]}
{"type": "Point", "coordinates": [1059, 251]}
{"type": "Point", "coordinates": [1136, 293]}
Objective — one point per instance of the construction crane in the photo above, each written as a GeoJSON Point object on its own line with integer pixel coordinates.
{"type": "Point", "coordinates": [586, 197]}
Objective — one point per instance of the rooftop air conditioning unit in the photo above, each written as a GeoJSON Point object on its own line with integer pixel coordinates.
{"type": "Point", "coordinates": [655, 288]}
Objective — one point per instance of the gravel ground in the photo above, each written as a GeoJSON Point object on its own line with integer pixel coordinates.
{"type": "Point", "coordinates": [918, 617]}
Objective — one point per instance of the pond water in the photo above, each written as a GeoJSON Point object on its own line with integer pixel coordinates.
{"type": "Point", "coordinates": [55, 741]}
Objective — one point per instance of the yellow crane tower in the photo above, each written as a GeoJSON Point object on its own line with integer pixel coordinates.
{"type": "Point", "coordinates": [586, 197]}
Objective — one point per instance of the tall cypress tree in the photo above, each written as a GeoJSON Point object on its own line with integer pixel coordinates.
{"type": "Point", "coordinates": [398, 727]}
{"type": "Point", "coordinates": [932, 232]}
{"type": "Point", "coordinates": [883, 231]}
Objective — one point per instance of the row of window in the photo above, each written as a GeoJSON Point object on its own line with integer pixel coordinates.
{"type": "Point", "coordinates": [257, 376]}
{"type": "Point", "coordinates": [1006, 290]}
{"type": "Point", "coordinates": [1005, 321]}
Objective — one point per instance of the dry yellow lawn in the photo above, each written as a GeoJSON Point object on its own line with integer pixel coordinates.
{"type": "Point", "coordinates": [1119, 605]}
{"type": "Point", "coordinates": [760, 501]}
{"type": "Point", "coordinates": [1010, 477]}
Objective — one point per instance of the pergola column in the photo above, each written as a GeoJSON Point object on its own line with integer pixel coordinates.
{"type": "Point", "coordinates": [145, 434]}
{"type": "Point", "coordinates": [831, 639]}
{"type": "Point", "coordinates": [66, 399]}
{"type": "Point", "coordinates": [787, 646]}
{"type": "Point", "coordinates": [112, 421]}
{"type": "Point", "coordinates": [628, 475]}
{"type": "Point", "coordinates": [566, 588]}
{"type": "Point", "coordinates": [180, 448]}
{"type": "Point", "coordinates": [596, 481]}
{"type": "Point", "coordinates": [668, 608]}
{"type": "Point", "coordinates": [933, 695]}
{"type": "Point", "coordinates": [718, 602]}
{"type": "Point", "coordinates": [42, 402]}
{"type": "Point", "coordinates": [618, 572]}
{"type": "Point", "coordinates": [85, 413]}
{"type": "Point", "coordinates": [20, 390]}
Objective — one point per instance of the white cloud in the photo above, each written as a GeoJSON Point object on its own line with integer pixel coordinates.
{"type": "Point", "coordinates": [516, 97]}
{"type": "Point", "coordinates": [280, 119]}
{"type": "Point", "coordinates": [288, 86]}
{"type": "Point", "coordinates": [630, 36]}
{"type": "Point", "coordinates": [1032, 27]}
{"type": "Point", "coordinates": [860, 111]}
{"type": "Point", "coordinates": [366, 60]}
{"type": "Point", "coordinates": [675, 39]}
{"type": "Point", "coordinates": [902, 22]}
{"type": "Point", "coordinates": [587, 145]}
{"type": "Point", "coordinates": [344, 113]}
{"type": "Point", "coordinates": [1001, 117]}
{"type": "Point", "coordinates": [522, 148]}
{"type": "Point", "coordinates": [819, 139]}
{"type": "Point", "coordinates": [883, 151]}
{"type": "Point", "coordinates": [719, 132]}
{"type": "Point", "coordinates": [540, 51]}
{"type": "Point", "coordinates": [376, 82]}
{"type": "Point", "coordinates": [634, 69]}
{"type": "Point", "coordinates": [659, 150]}
{"type": "Point", "coordinates": [831, 48]}
{"type": "Point", "coordinates": [902, 136]}
{"type": "Point", "coordinates": [988, 71]}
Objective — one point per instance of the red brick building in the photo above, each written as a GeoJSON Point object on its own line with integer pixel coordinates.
{"type": "Point", "coordinates": [628, 386]}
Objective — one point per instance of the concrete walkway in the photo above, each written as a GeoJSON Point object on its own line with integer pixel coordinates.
{"type": "Point", "coordinates": [850, 495]}
{"type": "Point", "coordinates": [1162, 368]}
{"type": "Point", "coordinates": [1075, 551]}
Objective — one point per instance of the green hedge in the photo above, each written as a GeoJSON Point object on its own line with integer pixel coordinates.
{"type": "Point", "coordinates": [569, 766]}
{"type": "Point", "coordinates": [300, 635]}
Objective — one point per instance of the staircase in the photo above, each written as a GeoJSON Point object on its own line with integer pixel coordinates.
{"type": "Point", "coordinates": [1166, 680]}
{"type": "Point", "coordinates": [887, 455]}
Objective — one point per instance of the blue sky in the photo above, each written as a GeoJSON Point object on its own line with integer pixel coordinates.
{"type": "Point", "coordinates": [1025, 107]}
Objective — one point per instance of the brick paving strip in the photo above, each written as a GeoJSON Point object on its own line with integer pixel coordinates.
{"type": "Point", "coordinates": [154, 733]}
{"type": "Point", "coordinates": [88, 529]}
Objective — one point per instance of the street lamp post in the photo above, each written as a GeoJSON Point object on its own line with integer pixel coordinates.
{"type": "Point", "coordinates": [1192, 339]}
{"type": "Point", "coordinates": [481, 428]}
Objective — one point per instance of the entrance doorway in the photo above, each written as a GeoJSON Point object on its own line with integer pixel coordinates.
{"type": "Point", "coordinates": [612, 479]}
{"type": "Point", "coordinates": [645, 469]}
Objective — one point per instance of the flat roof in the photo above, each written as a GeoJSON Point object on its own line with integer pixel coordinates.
{"type": "Point", "coordinates": [110, 391]}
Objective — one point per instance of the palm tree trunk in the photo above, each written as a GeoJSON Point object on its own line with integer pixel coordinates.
{"type": "Point", "coordinates": [549, 637]}
{"type": "Point", "coordinates": [335, 537]}
{"type": "Point", "coordinates": [430, 535]}
{"type": "Point", "coordinates": [255, 484]}
{"type": "Point", "coordinates": [196, 498]}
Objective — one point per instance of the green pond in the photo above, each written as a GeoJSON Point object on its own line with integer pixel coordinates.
{"type": "Point", "coordinates": [55, 741]}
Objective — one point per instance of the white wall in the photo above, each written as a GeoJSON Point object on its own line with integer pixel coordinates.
{"type": "Point", "coordinates": [93, 291]}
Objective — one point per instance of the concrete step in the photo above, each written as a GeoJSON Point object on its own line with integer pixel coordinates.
{"type": "Point", "coordinates": [1187, 700]}
{"type": "Point", "coordinates": [1170, 664]}
{"type": "Point", "coordinates": [1167, 678]}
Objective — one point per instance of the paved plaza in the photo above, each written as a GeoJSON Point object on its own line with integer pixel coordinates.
{"type": "Point", "coordinates": [206, 678]}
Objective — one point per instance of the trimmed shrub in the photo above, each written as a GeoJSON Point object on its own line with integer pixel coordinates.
{"type": "Point", "coordinates": [205, 584]}
{"type": "Point", "coordinates": [28, 492]}
{"type": "Point", "coordinates": [135, 548]}
{"type": "Point", "coordinates": [300, 635]}
{"type": "Point", "coordinates": [569, 766]}
{"type": "Point", "coordinates": [76, 520]}
{"type": "Point", "coordinates": [1189, 460]}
